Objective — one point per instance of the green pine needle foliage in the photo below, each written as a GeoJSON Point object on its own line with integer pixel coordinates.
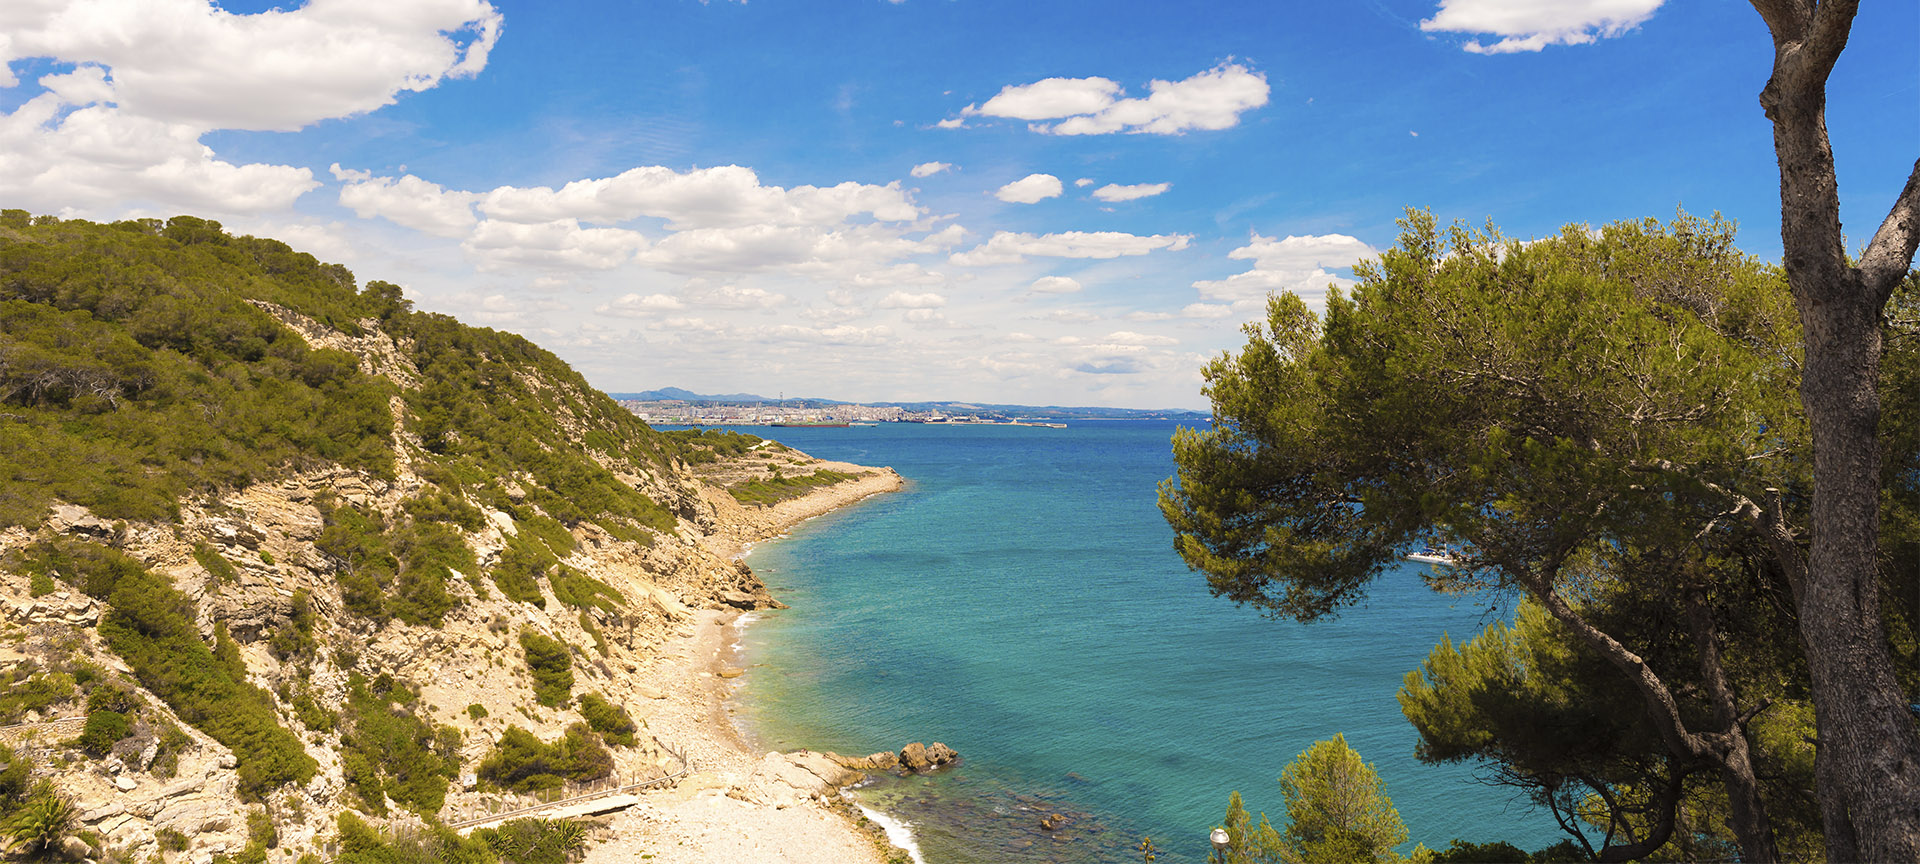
{"type": "Point", "coordinates": [551, 662]}
{"type": "Point", "coordinates": [151, 625]}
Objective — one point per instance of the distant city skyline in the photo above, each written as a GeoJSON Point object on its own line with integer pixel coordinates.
{"type": "Point", "coordinates": [1074, 203]}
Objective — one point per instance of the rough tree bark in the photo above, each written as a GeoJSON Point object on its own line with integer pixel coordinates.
{"type": "Point", "coordinates": [1869, 747]}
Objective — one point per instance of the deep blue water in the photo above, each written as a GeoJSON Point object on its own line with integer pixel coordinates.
{"type": "Point", "coordinates": [1021, 602]}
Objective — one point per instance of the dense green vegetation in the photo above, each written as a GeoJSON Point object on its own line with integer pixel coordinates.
{"type": "Point", "coordinates": [536, 841]}
{"type": "Point", "coordinates": [581, 591]}
{"type": "Point", "coordinates": [388, 571]}
{"type": "Point", "coordinates": [776, 487]}
{"type": "Point", "coordinates": [151, 626]}
{"type": "Point", "coordinates": [613, 722]}
{"type": "Point", "coordinates": [711, 445]}
{"type": "Point", "coordinates": [139, 368]}
{"type": "Point", "coordinates": [137, 371]}
{"type": "Point", "coordinates": [1336, 811]}
{"type": "Point", "coordinates": [1605, 423]}
{"type": "Point", "coordinates": [27, 687]}
{"type": "Point", "coordinates": [551, 662]}
{"type": "Point", "coordinates": [524, 763]}
{"type": "Point", "coordinates": [388, 751]}
{"type": "Point", "coordinates": [361, 843]}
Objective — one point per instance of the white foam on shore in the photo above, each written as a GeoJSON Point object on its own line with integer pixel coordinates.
{"type": "Point", "coordinates": [899, 833]}
{"type": "Point", "coordinates": [739, 627]}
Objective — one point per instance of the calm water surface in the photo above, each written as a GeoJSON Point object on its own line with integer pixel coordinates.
{"type": "Point", "coordinates": [1021, 602]}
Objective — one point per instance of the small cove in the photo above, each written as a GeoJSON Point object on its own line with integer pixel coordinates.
{"type": "Point", "coordinates": [1021, 602]}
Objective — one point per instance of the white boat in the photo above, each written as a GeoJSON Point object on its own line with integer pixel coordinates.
{"type": "Point", "coordinates": [1431, 555]}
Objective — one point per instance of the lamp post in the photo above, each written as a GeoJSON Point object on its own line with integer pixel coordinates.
{"type": "Point", "coordinates": [1220, 843]}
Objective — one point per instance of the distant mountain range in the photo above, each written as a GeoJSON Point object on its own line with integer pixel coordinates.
{"type": "Point", "coordinates": [945, 407]}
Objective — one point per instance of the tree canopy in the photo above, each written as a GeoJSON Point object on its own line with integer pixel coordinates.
{"type": "Point", "coordinates": [1602, 421]}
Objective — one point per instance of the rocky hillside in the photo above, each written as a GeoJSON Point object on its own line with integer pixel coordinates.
{"type": "Point", "coordinates": [290, 571]}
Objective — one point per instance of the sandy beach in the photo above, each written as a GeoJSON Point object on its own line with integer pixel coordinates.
{"type": "Point", "coordinates": [736, 805]}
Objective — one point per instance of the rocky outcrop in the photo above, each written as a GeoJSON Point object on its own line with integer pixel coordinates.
{"type": "Point", "coordinates": [786, 779]}
{"type": "Point", "coordinates": [919, 759]}
{"type": "Point", "coordinates": [916, 758]}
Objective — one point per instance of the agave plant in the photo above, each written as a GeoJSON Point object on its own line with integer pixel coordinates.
{"type": "Point", "coordinates": [41, 823]}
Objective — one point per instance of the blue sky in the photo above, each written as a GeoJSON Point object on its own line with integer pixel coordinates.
{"type": "Point", "coordinates": [1039, 203]}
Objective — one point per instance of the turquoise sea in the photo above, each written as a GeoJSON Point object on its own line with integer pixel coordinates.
{"type": "Point", "coordinates": [1020, 601]}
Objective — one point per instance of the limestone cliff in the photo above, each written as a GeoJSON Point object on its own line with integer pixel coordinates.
{"type": "Point", "coordinates": [407, 595]}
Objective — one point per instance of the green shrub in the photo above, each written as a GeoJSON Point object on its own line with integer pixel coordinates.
{"type": "Point", "coordinates": [476, 710]}
{"type": "Point", "coordinates": [308, 711]}
{"type": "Point", "coordinates": [388, 751]}
{"type": "Point", "coordinates": [294, 639]}
{"type": "Point", "coordinates": [439, 505]}
{"type": "Point", "coordinates": [26, 688]}
{"type": "Point", "coordinates": [536, 841]}
{"type": "Point", "coordinates": [15, 777]}
{"type": "Point", "coordinates": [612, 721]}
{"type": "Point", "coordinates": [106, 696]}
{"type": "Point", "coordinates": [360, 843]}
{"type": "Point", "coordinates": [103, 730]}
{"type": "Point", "coordinates": [593, 630]}
{"type": "Point", "coordinates": [581, 591]}
{"type": "Point", "coordinates": [216, 564]}
{"type": "Point", "coordinates": [776, 488]}
{"type": "Point", "coordinates": [393, 572]}
{"type": "Point", "coordinates": [260, 828]}
{"type": "Point", "coordinates": [171, 840]}
{"type": "Point", "coordinates": [40, 585]}
{"type": "Point", "coordinates": [173, 740]}
{"type": "Point", "coordinates": [517, 574]}
{"type": "Point", "coordinates": [41, 822]}
{"type": "Point", "coordinates": [151, 626]}
{"type": "Point", "coordinates": [551, 662]}
{"type": "Point", "coordinates": [524, 763]}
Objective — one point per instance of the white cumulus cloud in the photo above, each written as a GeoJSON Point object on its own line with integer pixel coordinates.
{"type": "Point", "coordinates": [904, 300]}
{"type": "Point", "coordinates": [561, 243]}
{"type": "Point", "coordinates": [122, 130]}
{"type": "Point", "coordinates": [1213, 99]}
{"type": "Point", "coordinates": [721, 197]}
{"type": "Point", "coordinates": [1528, 25]}
{"type": "Point", "coordinates": [1128, 337]}
{"type": "Point", "coordinates": [1007, 247]}
{"type": "Point", "coordinates": [190, 62]}
{"type": "Point", "coordinates": [1298, 264]}
{"type": "Point", "coordinates": [1117, 192]}
{"type": "Point", "coordinates": [636, 306]}
{"type": "Point", "coordinates": [928, 169]}
{"type": "Point", "coordinates": [1051, 98]}
{"type": "Point", "coordinates": [1054, 285]}
{"type": "Point", "coordinates": [408, 201]}
{"type": "Point", "coordinates": [1030, 189]}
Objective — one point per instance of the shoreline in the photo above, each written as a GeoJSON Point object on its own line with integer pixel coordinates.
{"type": "Point", "coordinates": [736, 804]}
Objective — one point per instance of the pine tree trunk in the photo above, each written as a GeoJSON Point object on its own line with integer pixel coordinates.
{"type": "Point", "coordinates": [1869, 750]}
